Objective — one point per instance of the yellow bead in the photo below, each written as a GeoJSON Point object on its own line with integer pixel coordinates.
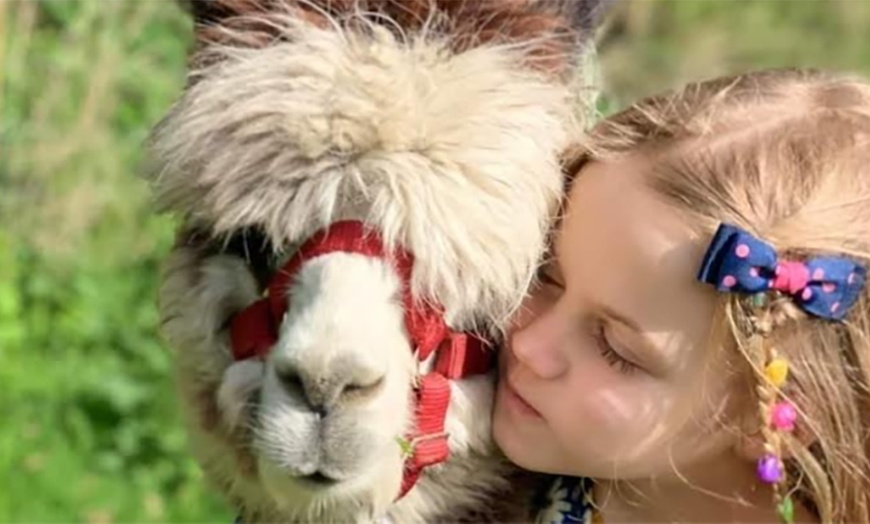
{"type": "Point", "coordinates": [777, 371]}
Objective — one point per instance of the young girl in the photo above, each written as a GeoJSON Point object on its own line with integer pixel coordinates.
{"type": "Point", "coordinates": [699, 349]}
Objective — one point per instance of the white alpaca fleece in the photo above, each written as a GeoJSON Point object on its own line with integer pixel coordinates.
{"type": "Point", "coordinates": [453, 156]}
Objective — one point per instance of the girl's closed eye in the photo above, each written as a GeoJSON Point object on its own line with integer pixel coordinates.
{"type": "Point", "coordinates": [549, 277]}
{"type": "Point", "coordinates": [615, 354]}
{"type": "Point", "coordinates": [611, 355]}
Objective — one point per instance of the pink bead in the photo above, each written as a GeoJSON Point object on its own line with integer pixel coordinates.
{"type": "Point", "coordinates": [829, 288]}
{"type": "Point", "coordinates": [729, 281]}
{"type": "Point", "coordinates": [783, 416]}
{"type": "Point", "coordinates": [807, 293]}
{"type": "Point", "coordinates": [834, 307]}
{"type": "Point", "coordinates": [742, 251]}
{"type": "Point", "coordinates": [753, 271]}
{"type": "Point", "coordinates": [818, 274]}
{"type": "Point", "coordinates": [851, 279]}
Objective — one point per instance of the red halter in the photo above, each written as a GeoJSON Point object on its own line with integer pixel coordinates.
{"type": "Point", "coordinates": [254, 331]}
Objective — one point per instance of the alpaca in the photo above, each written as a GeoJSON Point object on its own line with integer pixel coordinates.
{"type": "Point", "coordinates": [364, 190]}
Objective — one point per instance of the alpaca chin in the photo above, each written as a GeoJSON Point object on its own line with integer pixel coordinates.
{"type": "Point", "coordinates": [299, 500]}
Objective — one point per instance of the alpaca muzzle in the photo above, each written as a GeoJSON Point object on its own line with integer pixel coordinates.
{"type": "Point", "coordinates": [254, 331]}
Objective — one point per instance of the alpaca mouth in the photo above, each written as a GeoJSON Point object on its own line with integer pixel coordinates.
{"type": "Point", "coordinates": [319, 480]}
{"type": "Point", "coordinates": [303, 454]}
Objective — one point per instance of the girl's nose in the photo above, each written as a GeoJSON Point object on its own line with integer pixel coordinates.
{"type": "Point", "coordinates": [539, 345]}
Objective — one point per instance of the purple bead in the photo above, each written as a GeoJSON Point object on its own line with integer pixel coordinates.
{"type": "Point", "coordinates": [769, 469]}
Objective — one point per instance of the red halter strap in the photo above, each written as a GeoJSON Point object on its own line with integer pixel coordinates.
{"type": "Point", "coordinates": [254, 330]}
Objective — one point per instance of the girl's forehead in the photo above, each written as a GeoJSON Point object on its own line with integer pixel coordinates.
{"type": "Point", "coordinates": [622, 246]}
{"type": "Point", "coordinates": [613, 213]}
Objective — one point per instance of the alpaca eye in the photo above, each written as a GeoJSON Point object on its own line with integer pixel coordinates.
{"type": "Point", "coordinates": [545, 277]}
{"type": "Point", "coordinates": [290, 380]}
{"type": "Point", "coordinates": [254, 246]}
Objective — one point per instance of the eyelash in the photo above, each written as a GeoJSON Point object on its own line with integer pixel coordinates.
{"type": "Point", "coordinates": [545, 278]}
{"type": "Point", "coordinates": [613, 358]}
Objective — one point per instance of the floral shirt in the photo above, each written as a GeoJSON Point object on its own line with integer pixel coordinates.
{"type": "Point", "coordinates": [566, 500]}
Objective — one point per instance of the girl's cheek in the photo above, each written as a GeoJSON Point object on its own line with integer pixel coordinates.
{"type": "Point", "coordinates": [617, 415]}
{"type": "Point", "coordinates": [598, 395]}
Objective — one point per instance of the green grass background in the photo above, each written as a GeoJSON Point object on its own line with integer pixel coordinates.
{"type": "Point", "coordinates": [89, 429]}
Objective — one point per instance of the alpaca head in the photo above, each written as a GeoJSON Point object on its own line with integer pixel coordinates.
{"type": "Point", "coordinates": [439, 126]}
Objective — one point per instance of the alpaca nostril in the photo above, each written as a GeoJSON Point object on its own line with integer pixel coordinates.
{"type": "Point", "coordinates": [329, 386]}
{"type": "Point", "coordinates": [317, 394]}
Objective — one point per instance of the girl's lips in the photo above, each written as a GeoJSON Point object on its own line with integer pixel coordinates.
{"type": "Point", "coordinates": [518, 403]}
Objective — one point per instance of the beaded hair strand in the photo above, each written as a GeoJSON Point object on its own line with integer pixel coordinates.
{"type": "Point", "coordinates": [778, 416]}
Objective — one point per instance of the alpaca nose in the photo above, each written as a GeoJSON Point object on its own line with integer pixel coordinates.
{"type": "Point", "coordinates": [325, 387]}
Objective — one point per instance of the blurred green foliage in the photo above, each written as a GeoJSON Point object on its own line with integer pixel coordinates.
{"type": "Point", "coordinates": [91, 427]}
{"type": "Point", "coordinates": [650, 45]}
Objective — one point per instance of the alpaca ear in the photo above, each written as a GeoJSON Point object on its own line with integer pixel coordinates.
{"type": "Point", "coordinates": [239, 23]}
{"type": "Point", "coordinates": [583, 15]}
{"type": "Point", "coordinates": [558, 35]}
{"type": "Point", "coordinates": [208, 12]}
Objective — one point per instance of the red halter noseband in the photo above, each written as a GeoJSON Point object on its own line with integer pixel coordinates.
{"type": "Point", "coordinates": [254, 331]}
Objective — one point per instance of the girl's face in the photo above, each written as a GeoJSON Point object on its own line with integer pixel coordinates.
{"type": "Point", "coordinates": [608, 371]}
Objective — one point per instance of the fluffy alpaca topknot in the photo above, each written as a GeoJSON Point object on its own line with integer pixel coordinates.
{"type": "Point", "coordinates": [328, 125]}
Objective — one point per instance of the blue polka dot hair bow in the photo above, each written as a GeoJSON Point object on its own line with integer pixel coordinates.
{"type": "Point", "coordinates": [826, 287]}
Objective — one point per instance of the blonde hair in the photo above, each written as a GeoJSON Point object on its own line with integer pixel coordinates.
{"type": "Point", "coordinates": [784, 154]}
